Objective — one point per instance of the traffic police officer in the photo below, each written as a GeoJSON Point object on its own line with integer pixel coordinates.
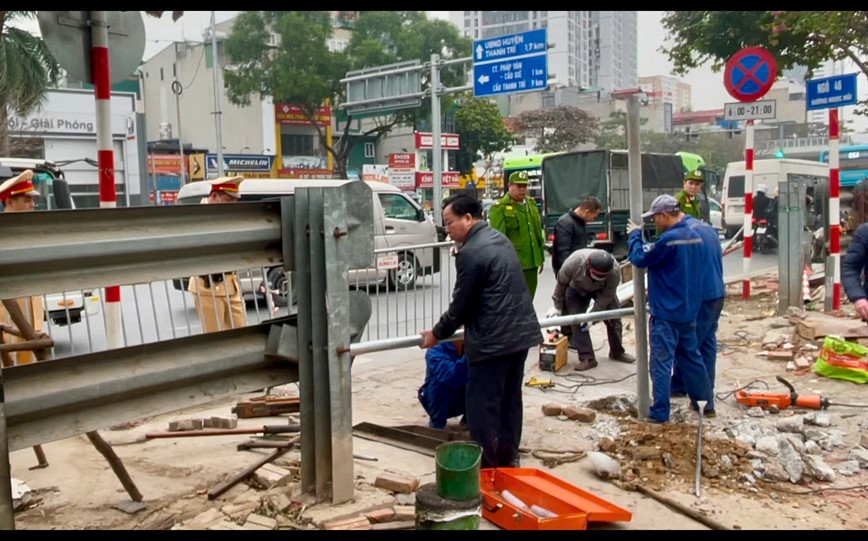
{"type": "Point", "coordinates": [687, 197]}
{"type": "Point", "coordinates": [18, 195]}
{"type": "Point", "coordinates": [518, 218]}
{"type": "Point", "coordinates": [675, 266]}
{"type": "Point", "coordinates": [217, 296]}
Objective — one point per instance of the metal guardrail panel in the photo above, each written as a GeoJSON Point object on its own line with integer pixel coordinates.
{"type": "Point", "coordinates": [43, 251]}
{"type": "Point", "coordinates": [57, 399]}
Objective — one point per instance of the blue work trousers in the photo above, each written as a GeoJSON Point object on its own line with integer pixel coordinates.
{"type": "Point", "coordinates": [671, 340]}
{"type": "Point", "coordinates": [706, 337]}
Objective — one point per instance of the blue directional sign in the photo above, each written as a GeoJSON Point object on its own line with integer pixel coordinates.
{"type": "Point", "coordinates": [830, 92]}
{"type": "Point", "coordinates": [241, 163]}
{"type": "Point", "coordinates": [510, 63]}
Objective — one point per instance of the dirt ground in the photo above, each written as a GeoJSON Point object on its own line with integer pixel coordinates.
{"type": "Point", "coordinates": [79, 491]}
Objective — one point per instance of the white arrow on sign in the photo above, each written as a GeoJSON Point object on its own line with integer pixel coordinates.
{"type": "Point", "coordinates": [478, 52]}
{"type": "Point", "coordinates": [483, 79]}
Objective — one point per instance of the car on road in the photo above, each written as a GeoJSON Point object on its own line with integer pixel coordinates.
{"type": "Point", "coordinates": [715, 214]}
{"type": "Point", "coordinates": [399, 223]}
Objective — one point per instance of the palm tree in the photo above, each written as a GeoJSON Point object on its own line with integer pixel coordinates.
{"type": "Point", "coordinates": [27, 71]}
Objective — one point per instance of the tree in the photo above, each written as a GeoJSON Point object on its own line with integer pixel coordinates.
{"type": "Point", "coordinates": [303, 71]}
{"type": "Point", "coordinates": [557, 129]}
{"type": "Point", "coordinates": [806, 38]}
{"type": "Point", "coordinates": [482, 132]}
{"type": "Point", "coordinates": [27, 71]}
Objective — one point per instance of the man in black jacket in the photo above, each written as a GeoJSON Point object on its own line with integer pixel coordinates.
{"type": "Point", "coordinates": [571, 231]}
{"type": "Point", "coordinates": [492, 301]}
{"type": "Point", "coordinates": [853, 271]}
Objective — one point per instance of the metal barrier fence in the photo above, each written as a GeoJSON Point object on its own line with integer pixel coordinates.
{"type": "Point", "coordinates": [409, 288]}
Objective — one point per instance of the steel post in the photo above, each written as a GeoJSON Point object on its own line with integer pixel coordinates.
{"type": "Point", "coordinates": [7, 516]}
{"type": "Point", "coordinates": [634, 157]}
{"type": "Point", "coordinates": [218, 90]}
{"type": "Point", "coordinates": [436, 150]}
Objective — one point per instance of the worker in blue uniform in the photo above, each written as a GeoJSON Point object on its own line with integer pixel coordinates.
{"type": "Point", "coordinates": [713, 293]}
{"type": "Point", "coordinates": [442, 394]}
{"type": "Point", "coordinates": [675, 270]}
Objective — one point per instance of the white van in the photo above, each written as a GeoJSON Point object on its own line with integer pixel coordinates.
{"type": "Point", "coordinates": [399, 222]}
{"type": "Point", "coordinates": [768, 172]}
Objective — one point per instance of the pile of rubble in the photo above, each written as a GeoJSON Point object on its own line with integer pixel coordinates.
{"type": "Point", "coordinates": [742, 455]}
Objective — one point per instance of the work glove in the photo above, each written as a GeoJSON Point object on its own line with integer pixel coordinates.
{"type": "Point", "coordinates": [632, 226]}
{"type": "Point", "coordinates": [553, 312]}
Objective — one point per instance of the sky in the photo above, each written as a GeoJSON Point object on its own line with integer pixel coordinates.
{"type": "Point", "coordinates": [708, 91]}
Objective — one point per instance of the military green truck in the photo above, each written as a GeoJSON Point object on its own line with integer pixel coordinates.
{"type": "Point", "coordinates": [570, 177]}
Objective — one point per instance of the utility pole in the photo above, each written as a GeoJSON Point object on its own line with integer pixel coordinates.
{"type": "Point", "coordinates": [436, 168]}
{"type": "Point", "coordinates": [218, 88]}
{"type": "Point", "coordinates": [177, 89]}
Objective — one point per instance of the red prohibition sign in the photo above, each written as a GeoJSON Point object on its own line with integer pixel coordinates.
{"type": "Point", "coordinates": [750, 74]}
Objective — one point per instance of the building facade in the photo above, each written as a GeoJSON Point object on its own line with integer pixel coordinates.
{"type": "Point", "coordinates": [665, 89]}
{"type": "Point", "coordinates": [591, 49]}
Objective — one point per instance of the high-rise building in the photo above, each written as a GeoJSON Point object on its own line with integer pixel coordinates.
{"type": "Point", "coordinates": [591, 49]}
{"type": "Point", "coordinates": [665, 89]}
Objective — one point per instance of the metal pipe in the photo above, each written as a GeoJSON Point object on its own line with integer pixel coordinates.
{"type": "Point", "coordinates": [634, 163]}
{"type": "Point", "coordinates": [414, 247]}
{"type": "Point", "coordinates": [385, 344]}
{"type": "Point", "coordinates": [367, 76]}
{"type": "Point", "coordinates": [7, 516]}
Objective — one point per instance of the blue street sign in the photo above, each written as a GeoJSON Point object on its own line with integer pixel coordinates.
{"type": "Point", "coordinates": [510, 63]}
{"type": "Point", "coordinates": [830, 92]}
{"type": "Point", "coordinates": [241, 163]}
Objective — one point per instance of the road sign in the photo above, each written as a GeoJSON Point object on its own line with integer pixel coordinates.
{"type": "Point", "coordinates": [241, 163]}
{"type": "Point", "coordinates": [510, 63]}
{"type": "Point", "coordinates": [758, 110]}
{"type": "Point", "coordinates": [750, 74]}
{"type": "Point", "coordinates": [67, 36]}
{"type": "Point", "coordinates": [829, 92]}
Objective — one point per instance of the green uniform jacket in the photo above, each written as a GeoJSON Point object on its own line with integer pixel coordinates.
{"type": "Point", "coordinates": [690, 208]}
{"type": "Point", "coordinates": [523, 227]}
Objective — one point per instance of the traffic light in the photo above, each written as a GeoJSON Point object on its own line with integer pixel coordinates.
{"type": "Point", "coordinates": [779, 154]}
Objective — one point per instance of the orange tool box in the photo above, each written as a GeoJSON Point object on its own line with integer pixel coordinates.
{"type": "Point", "coordinates": [572, 507]}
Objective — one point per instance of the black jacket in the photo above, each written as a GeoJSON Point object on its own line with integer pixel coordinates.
{"type": "Point", "coordinates": [854, 267]}
{"type": "Point", "coordinates": [571, 234]}
{"type": "Point", "coordinates": [761, 209]}
{"type": "Point", "coordinates": [490, 299]}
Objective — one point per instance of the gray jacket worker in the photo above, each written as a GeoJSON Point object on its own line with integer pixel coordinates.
{"type": "Point", "coordinates": [590, 274]}
{"type": "Point", "coordinates": [491, 299]}
{"type": "Point", "coordinates": [571, 231]}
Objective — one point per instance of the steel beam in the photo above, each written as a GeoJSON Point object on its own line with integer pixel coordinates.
{"type": "Point", "coordinates": [52, 400]}
{"type": "Point", "coordinates": [45, 251]}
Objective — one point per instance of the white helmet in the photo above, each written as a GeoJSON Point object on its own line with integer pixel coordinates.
{"type": "Point", "coordinates": [762, 188]}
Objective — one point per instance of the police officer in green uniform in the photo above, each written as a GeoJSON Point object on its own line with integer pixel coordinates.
{"type": "Point", "coordinates": [518, 218]}
{"type": "Point", "coordinates": [687, 198]}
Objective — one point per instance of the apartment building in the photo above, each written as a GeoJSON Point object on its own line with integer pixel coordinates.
{"type": "Point", "coordinates": [665, 89]}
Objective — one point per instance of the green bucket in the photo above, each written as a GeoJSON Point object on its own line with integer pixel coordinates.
{"type": "Point", "coordinates": [457, 470]}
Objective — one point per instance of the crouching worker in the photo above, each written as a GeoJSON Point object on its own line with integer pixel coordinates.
{"type": "Point", "coordinates": [442, 394]}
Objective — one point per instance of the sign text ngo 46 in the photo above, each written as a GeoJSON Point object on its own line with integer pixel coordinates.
{"type": "Point", "coordinates": [830, 92]}
{"type": "Point", "coordinates": [510, 63]}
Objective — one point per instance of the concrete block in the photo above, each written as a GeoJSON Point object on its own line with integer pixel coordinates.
{"type": "Point", "coordinates": [185, 425]}
{"type": "Point", "coordinates": [404, 513]}
{"type": "Point", "coordinates": [262, 521]}
{"type": "Point", "coordinates": [269, 476]}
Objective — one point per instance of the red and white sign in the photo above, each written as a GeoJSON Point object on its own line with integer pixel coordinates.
{"type": "Point", "coordinates": [375, 172]}
{"type": "Point", "coordinates": [404, 179]}
{"type": "Point", "coordinates": [448, 141]}
{"type": "Point", "coordinates": [387, 261]}
{"type": "Point", "coordinates": [448, 179]}
{"type": "Point", "coordinates": [402, 160]}
{"type": "Point", "coordinates": [286, 113]}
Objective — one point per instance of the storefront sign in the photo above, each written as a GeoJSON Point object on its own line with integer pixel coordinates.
{"type": "Point", "coordinates": [402, 160]}
{"type": "Point", "coordinates": [305, 173]}
{"type": "Point", "coordinates": [293, 115]}
{"type": "Point", "coordinates": [169, 164]}
{"type": "Point", "coordinates": [57, 122]}
{"type": "Point", "coordinates": [376, 172]}
{"type": "Point", "coordinates": [404, 179]}
{"type": "Point", "coordinates": [448, 141]}
{"type": "Point", "coordinates": [448, 179]}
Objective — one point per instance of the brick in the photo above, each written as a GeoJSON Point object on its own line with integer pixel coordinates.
{"type": "Point", "coordinates": [608, 445]}
{"type": "Point", "coordinates": [381, 515]}
{"type": "Point", "coordinates": [260, 520]}
{"type": "Point", "coordinates": [270, 476]}
{"type": "Point", "coordinates": [780, 355]}
{"type": "Point", "coordinates": [397, 482]}
{"type": "Point", "coordinates": [552, 409]}
{"type": "Point", "coordinates": [226, 525]}
{"type": "Point", "coordinates": [204, 519]}
{"type": "Point", "coordinates": [280, 502]}
{"type": "Point", "coordinates": [236, 510]}
{"type": "Point", "coordinates": [402, 525]}
{"type": "Point", "coordinates": [225, 423]}
{"type": "Point", "coordinates": [583, 415]}
{"type": "Point", "coordinates": [185, 425]}
{"type": "Point", "coordinates": [404, 513]}
{"type": "Point", "coordinates": [802, 362]}
{"type": "Point", "coordinates": [347, 524]}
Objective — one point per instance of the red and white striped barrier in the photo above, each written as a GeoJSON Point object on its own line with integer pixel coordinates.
{"type": "Point", "coordinates": [835, 207]}
{"type": "Point", "coordinates": [748, 207]}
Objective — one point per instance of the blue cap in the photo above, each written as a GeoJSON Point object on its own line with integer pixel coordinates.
{"type": "Point", "coordinates": [662, 203]}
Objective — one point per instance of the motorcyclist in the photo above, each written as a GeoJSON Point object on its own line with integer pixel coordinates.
{"type": "Point", "coordinates": [765, 208]}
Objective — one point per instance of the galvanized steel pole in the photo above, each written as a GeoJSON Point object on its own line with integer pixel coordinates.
{"type": "Point", "coordinates": [436, 150]}
{"type": "Point", "coordinates": [634, 164]}
{"type": "Point", "coordinates": [218, 89]}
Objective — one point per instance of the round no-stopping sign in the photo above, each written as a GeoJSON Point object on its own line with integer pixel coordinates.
{"type": "Point", "coordinates": [750, 74]}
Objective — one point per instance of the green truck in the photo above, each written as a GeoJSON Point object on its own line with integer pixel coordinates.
{"type": "Point", "coordinates": [570, 177]}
